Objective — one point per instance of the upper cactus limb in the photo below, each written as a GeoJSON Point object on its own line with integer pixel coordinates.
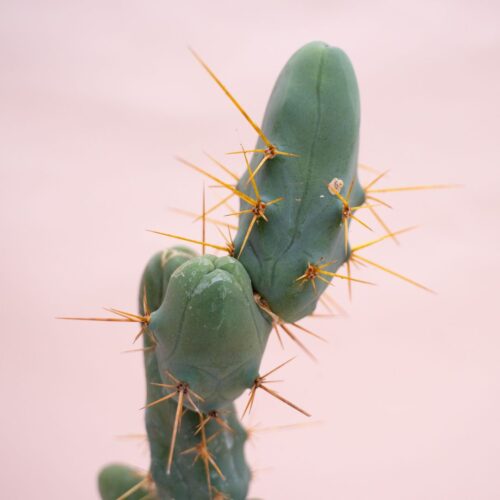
{"type": "Point", "coordinates": [313, 112]}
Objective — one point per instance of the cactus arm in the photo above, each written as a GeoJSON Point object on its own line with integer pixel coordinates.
{"type": "Point", "coordinates": [314, 112]}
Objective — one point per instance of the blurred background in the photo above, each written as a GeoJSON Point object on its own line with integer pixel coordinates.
{"type": "Point", "coordinates": [96, 99]}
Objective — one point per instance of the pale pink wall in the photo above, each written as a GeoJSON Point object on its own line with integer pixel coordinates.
{"type": "Point", "coordinates": [97, 97]}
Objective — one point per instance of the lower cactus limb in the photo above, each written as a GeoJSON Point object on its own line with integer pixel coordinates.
{"type": "Point", "coordinates": [120, 482]}
{"type": "Point", "coordinates": [207, 451]}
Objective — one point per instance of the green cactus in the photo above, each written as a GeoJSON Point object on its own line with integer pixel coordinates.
{"type": "Point", "coordinates": [206, 319]}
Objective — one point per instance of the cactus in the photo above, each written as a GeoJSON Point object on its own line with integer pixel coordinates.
{"type": "Point", "coordinates": [205, 319]}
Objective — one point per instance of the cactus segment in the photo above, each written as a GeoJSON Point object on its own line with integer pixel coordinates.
{"type": "Point", "coordinates": [210, 332]}
{"type": "Point", "coordinates": [314, 112]}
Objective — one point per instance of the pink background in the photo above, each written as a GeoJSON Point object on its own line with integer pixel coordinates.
{"type": "Point", "coordinates": [97, 97]}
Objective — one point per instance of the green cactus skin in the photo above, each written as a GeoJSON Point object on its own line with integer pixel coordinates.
{"type": "Point", "coordinates": [205, 327]}
{"type": "Point", "coordinates": [314, 112]}
{"type": "Point", "coordinates": [187, 480]}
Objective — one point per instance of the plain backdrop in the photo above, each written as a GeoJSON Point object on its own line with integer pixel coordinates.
{"type": "Point", "coordinates": [97, 97]}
